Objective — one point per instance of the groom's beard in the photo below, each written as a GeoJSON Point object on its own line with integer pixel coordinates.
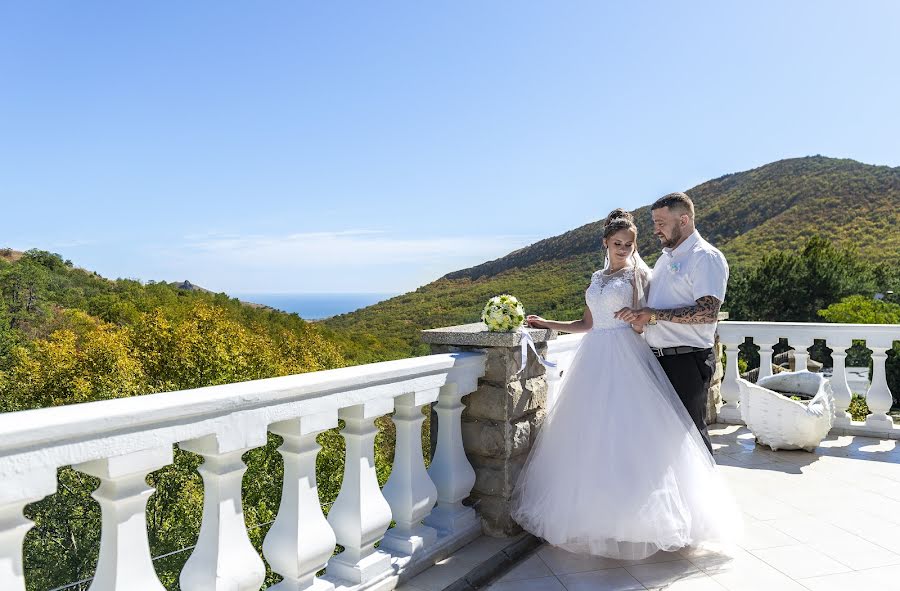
{"type": "Point", "coordinates": [671, 240]}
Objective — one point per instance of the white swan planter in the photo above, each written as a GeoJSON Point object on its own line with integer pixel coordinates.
{"type": "Point", "coordinates": [782, 423]}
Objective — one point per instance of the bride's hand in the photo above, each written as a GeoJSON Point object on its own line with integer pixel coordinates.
{"type": "Point", "coordinates": [535, 321]}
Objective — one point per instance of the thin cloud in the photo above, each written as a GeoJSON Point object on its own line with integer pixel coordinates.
{"type": "Point", "coordinates": [347, 248]}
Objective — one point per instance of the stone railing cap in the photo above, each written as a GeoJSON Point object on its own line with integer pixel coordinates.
{"type": "Point", "coordinates": [477, 335]}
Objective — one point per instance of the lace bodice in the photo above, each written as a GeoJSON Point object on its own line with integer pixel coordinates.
{"type": "Point", "coordinates": [607, 294]}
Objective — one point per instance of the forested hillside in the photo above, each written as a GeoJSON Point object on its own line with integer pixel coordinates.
{"type": "Point", "coordinates": [777, 208]}
{"type": "Point", "coordinates": [68, 335]}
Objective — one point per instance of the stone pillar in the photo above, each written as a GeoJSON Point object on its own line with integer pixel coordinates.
{"type": "Point", "coordinates": [714, 396]}
{"type": "Point", "coordinates": [501, 418]}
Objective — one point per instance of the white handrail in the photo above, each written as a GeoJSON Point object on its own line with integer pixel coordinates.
{"type": "Point", "coordinates": [800, 335]}
{"type": "Point", "coordinates": [120, 441]}
{"type": "Point", "coordinates": [334, 388]}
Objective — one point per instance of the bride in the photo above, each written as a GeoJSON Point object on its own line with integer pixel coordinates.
{"type": "Point", "coordinates": [619, 468]}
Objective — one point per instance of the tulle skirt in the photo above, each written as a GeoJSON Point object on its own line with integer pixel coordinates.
{"type": "Point", "coordinates": [618, 468]}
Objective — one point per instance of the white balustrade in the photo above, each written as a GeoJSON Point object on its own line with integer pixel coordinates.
{"type": "Point", "coordinates": [121, 441]}
{"type": "Point", "coordinates": [125, 563]}
{"type": "Point", "coordinates": [300, 541]}
{"type": "Point", "coordinates": [409, 490]}
{"type": "Point", "coordinates": [839, 337]}
{"type": "Point", "coordinates": [450, 471]}
{"type": "Point", "coordinates": [878, 396]}
{"type": "Point", "coordinates": [224, 559]}
{"type": "Point", "coordinates": [878, 337]}
{"type": "Point", "coordinates": [765, 359]}
{"type": "Point", "coordinates": [839, 386]}
{"type": "Point", "coordinates": [731, 392]}
{"type": "Point", "coordinates": [16, 492]}
{"type": "Point", "coordinates": [360, 515]}
{"type": "Point", "coordinates": [801, 344]}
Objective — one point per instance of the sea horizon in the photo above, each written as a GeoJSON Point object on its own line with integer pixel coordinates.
{"type": "Point", "coordinates": [314, 305]}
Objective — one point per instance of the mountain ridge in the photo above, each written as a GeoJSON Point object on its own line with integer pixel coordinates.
{"type": "Point", "coordinates": [727, 189]}
{"type": "Point", "coordinates": [749, 214]}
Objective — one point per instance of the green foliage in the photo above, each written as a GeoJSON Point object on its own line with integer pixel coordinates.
{"type": "Point", "coordinates": [858, 408]}
{"type": "Point", "coordinates": [777, 207]}
{"type": "Point", "coordinates": [863, 310]}
{"type": "Point", "coordinates": [68, 336]}
{"type": "Point", "coordinates": [64, 543]}
{"type": "Point", "coordinates": [774, 208]}
{"type": "Point", "coordinates": [68, 368]}
{"type": "Point", "coordinates": [23, 287]}
{"type": "Point", "coordinates": [794, 287]}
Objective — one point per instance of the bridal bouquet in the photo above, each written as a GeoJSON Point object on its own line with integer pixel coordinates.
{"type": "Point", "coordinates": [503, 313]}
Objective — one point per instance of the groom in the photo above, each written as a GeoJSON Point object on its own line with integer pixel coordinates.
{"type": "Point", "coordinates": [687, 289]}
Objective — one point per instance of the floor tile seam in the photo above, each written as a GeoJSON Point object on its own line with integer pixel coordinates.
{"type": "Point", "coordinates": [643, 587]}
{"type": "Point", "coordinates": [831, 557]}
{"type": "Point", "coordinates": [787, 575]}
{"type": "Point", "coordinates": [801, 581]}
{"type": "Point", "coordinates": [768, 524]}
{"type": "Point", "coordinates": [888, 550]}
{"type": "Point", "coordinates": [782, 573]}
{"type": "Point", "coordinates": [875, 516]}
{"type": "Point", "coordinates": [879, 493]}
{"type": "Point", "coordinates": [521, 560]}
{"type": "Point", "coordinates": [537, 552]}
{"type": "Point", "coordinates": [863, 570]}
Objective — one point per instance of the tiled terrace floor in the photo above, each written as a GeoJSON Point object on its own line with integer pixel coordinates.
{"type": "Point", "coordinates": [823, 521]}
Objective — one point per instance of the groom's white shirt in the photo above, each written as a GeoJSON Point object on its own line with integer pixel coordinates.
{"type": "Point", "coordinates": [680, 277]}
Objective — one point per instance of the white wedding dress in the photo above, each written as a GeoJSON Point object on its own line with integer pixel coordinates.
{"type": "Point", "coordinates": [618, 468]}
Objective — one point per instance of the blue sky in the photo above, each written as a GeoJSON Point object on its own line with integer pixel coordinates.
{"type": "Point", "coordinates": [375, 146]}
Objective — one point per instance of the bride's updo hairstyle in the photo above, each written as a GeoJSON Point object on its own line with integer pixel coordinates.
{"type": "Point", "coordinates": [618, 219]}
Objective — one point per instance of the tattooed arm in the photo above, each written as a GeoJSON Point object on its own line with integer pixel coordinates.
{"type": "Point", "coordinates": [705, 311]}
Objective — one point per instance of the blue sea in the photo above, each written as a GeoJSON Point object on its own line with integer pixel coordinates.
{"type": "Point", "coordinates": [315, 306]}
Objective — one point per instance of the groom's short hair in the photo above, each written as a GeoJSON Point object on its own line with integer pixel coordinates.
{"type": "Point", "coordinates": [678, 202]}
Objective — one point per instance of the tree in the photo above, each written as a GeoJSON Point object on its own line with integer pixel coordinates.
{"type": "Point", "coordinates": [863, 310]}
{"type": "Point", "coordinates": [84, 360]}
{"type": "Point", "coordinates": [23, 287]}
{"type": "Point", "coordinates": [787, 287]}
{"type": "Point", "coordinates": [859, 309]}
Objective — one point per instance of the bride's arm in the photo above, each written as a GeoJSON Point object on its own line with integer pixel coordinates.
{"type": "Point", "coordinates": [583, 325]}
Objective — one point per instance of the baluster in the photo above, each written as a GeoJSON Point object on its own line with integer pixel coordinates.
{"type": "Point", "coordinates": [450, 470]}
{"type": "Point", "coordinates": [839, 386]}
{"type": "Point", "coordinates": [801, 344]}
{"type": "Point", "coordinates": [409, 491]}
{"type": "Point", "coordinates": [300, 541]}
{"type": "Point", "coordinates": [730, 390]}
{"type": "Point", "coordinates": [14, 495]}
{"type": "Point", "coordinates": [224, 558]}
{"type": "Point", "coordinates": [878, 397]}
{"type": "Point", "coordinates": [360, 515]}
{"type": "Point", "coordinates": [125, 563]}
{"type": "Point", "coordinates": [765, 358]}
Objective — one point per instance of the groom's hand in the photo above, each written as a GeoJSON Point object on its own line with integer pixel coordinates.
{"type": "Point", "coordinates": [634, 316]}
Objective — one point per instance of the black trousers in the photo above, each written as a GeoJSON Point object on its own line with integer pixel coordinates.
{"type": "Point", "coordinates": [690, 374]}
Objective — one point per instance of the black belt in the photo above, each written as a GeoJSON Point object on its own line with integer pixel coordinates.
{"type": "Point", "coordinates": [665, 351]}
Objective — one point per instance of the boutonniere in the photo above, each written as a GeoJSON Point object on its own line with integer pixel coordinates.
{"type": "Point", "coordinates": [674, 267]}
